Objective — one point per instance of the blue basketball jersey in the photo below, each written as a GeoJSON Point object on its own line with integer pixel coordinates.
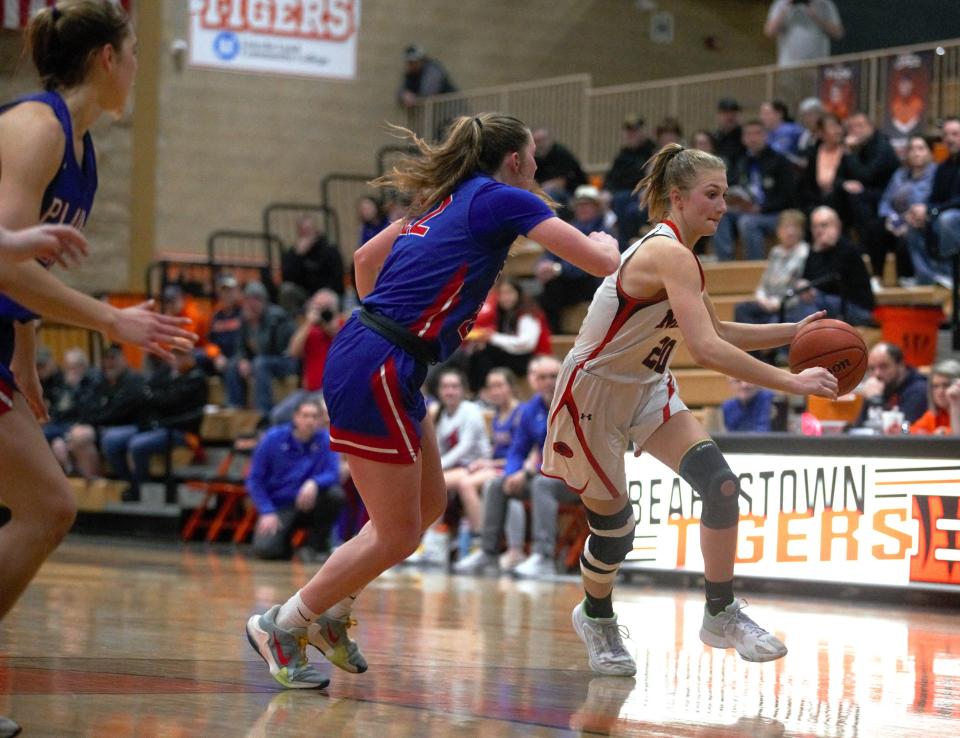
{"type": "Point", "coordinates": [444, 263]}
{"type": "Point", "coordinates": [67, 200]}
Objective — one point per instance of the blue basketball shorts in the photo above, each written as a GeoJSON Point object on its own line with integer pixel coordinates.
{"type": "Point", "coordinates": [372, 391]}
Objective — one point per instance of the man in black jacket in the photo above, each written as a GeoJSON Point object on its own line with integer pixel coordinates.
{"type": "Point", "coordinates": [934, 235]}
{"type": "Point", "coordinates": [761, 186]}
{"type": "Point", "coordinates": [171, 408]}
{"type": "Point", "coordinates": [312, 263]}
{"type": "Point", "coordinates": [834, 276]}
{"type": "Point", "coordinates": [558, 171]}
{"type": "Point", "coordinates": [623, 176]}
{"type": "Point", "coordinates": [869, 164]}
{"type": "Point", "coordinates": [117, 400]}
{"type": "Point", "coordinates": [265, 335]}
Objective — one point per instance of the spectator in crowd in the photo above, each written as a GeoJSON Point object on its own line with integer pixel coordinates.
{"type": "Point", "coordinates": [868, 167]}
{"type": "Point", "coordinates": [934, 235]}
{"type": "Point", "coordinates": [172, 407]}
{"type": "Point", "coordinates": [704, 141]}
{"type": "Point", "coordinates": [624, 174]}
{"type": "Point", "coordinates": [119, 396]}
{"type": "Point", "coordinates": [294, 482]}
{"type": "Point", "coordinates": [668, 131]}
{"type": "Point", "coordinates": [226, 327]}
{"type": "Point", "coordinates": [558, 171]}
{"type": "Point", "coordinates": [500, 392]}
{"type": "Point", "coordinates": [48, 371]}
{"type": "Point", "coordinates": [783, 134]}
{"type": "Point", "coordinates": [423, 76]}
{"type": "Point", "coordinates": [822, 178]}
{"type": "Point", "coordinates": [942, 417]}
{"type": "Point", "coordinates": [784, 268]}
{"type": "Point", "coordinates": [803, 29]}
{"type": "Point", "coordinates": [892, 384]}
{"type": "Point", "coordinates": [834, 276]}
{"type": "Point", "coordinates": [310, 345]}
{"type": "Point", "coordinates": [910, 185]}
{"type": "Point", "coordinates": [175, 302]}
{"type": "Point", "coordinates": [265, 334]}
{"type": "Point", "coordinates": [312, 263]}
{"type": "Point", "coordinates": [520, 331]}
{"type": "Point", "coordinates": [372, 218]}
{"type": "Point", "coordinates": [521, 478]}
{"type": "Point", "coordinates": [808, 112]}
{"type": "Point", "coordinates": [462, 437]}
{"type": "Point", "coordinates": [69, 400]}
{"type": "Point", "coordinates": [761, 186]}
{"type": "Point", "coordinates": [750, 410]}
{"type": "Point", "coordinates": [563, 283]}
{"type": "Point", "coordinates": [729, 133]}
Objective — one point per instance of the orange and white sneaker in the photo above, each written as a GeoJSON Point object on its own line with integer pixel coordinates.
{"type": "Point", "coordinates": [329, 636]}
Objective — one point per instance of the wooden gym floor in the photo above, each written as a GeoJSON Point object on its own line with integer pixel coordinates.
{"type": "Point", "coordinates": [120, 639]}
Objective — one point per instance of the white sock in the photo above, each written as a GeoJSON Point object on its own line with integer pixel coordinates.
{"type": "Point", "coordinates": [294, 614]}
{"type": "Point", "coordinates": [342, 609]}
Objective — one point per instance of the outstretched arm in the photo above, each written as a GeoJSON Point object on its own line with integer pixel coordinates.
{"type": "Point", "coordinates": [678, 269]}
{"type": "Point", "coordinates": [750, 337]}
{"type": "Point", "coordinates": [597, 253]}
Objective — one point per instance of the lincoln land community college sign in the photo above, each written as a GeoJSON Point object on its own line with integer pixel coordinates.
{"type": "Point", "coordinates": [307, 38]}
{"type": "Point", "coordinates": [883, 521]}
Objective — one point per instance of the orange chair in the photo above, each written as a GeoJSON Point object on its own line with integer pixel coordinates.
{"type": "Point", "coordinates": [572, 532]}
{"type": "Point", "coordinates": [226, 486]}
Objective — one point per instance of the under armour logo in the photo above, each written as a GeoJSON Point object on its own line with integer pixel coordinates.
{"type": "Point", "coordinates": [586, 416]}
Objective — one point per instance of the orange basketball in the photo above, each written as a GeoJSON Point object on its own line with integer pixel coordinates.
{"type": "Point", "coordinates": [835, 346]}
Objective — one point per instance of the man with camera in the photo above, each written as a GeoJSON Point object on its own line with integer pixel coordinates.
{"type": "Point", "coordinates": [803, 29]}
{"type": "Point", "coordinates": [310, 344]}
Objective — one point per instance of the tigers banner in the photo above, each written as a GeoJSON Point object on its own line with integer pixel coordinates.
{"type": "Point", "coordinates": [876, 521]}
{"type": "Point", "coordinates": [311, 38]}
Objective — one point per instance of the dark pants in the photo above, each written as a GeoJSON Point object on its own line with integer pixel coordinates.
{"type": "Point", "coordinates": [562, 292]}
{"type": "Point", "coordinates": [319, 521]}
{"type": "Point", "coordinates": [491, 357]}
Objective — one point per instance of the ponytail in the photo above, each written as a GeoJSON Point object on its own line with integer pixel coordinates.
{"type": "Point", "coordinates": [672, 167]}
{"type": "Point", "coordinates": [473, 143]}
{"type": "Point", "coordinates": [63, 38]}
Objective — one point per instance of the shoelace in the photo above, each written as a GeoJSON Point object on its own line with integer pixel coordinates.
{"type": "Point", "coordinates": [745, 621]}
{"type": "Point", "coordinates": [613, 634]}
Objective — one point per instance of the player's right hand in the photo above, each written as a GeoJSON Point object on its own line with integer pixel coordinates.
{"type": "Point", "coordinates": [59, 244]}
{"type": "Point", "coordinates": [153, 332]}
{"type": "Point", "coordinates": [817, 381]}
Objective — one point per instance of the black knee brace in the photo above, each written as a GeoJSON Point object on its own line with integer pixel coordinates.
{"type": "Point", "coordinates": [704, 468]}
{"type": "Point", "coordinates": [609, 542]}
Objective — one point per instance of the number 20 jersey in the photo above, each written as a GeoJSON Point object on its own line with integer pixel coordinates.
{"type": "Point", "coordinates": [624, 339]}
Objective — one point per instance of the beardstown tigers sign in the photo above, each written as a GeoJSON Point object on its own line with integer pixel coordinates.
{"type": "Point", "coordinates": [312, 38]}
{"type": "Point", "coordinates": [878, 521]}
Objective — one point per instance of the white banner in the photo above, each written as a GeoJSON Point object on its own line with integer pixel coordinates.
{"type": "Point", "coordinates": [311, 38]}
{"type": "Point", "coordinates": [881, 521]}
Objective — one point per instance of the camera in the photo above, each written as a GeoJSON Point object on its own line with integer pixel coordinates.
{"type": "Point", "coordinates": [326, 315]}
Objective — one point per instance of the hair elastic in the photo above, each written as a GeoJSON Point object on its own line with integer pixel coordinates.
{"type": "Point", "coordinates": [479, 124]}
{"type": "Point", "coordinates": [56, 13]}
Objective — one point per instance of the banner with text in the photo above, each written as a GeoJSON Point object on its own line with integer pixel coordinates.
{"type": "Point", "coordinates": [311, 38]}
{"type": "Point", "coordinates": [882, 521]}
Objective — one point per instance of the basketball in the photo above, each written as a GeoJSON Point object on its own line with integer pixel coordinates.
{"type": "Point", "coordinates": [834, 345]}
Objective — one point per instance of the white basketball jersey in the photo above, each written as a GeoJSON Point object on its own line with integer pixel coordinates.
{"type": "Point", "coordinates": [625, 339]}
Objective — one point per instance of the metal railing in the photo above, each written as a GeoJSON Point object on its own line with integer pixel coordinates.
{"type": "Point", "coordinates": [588, 119]}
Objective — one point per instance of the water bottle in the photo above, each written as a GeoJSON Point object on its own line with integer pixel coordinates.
{"type": "Point", "coordinates": [464, 538]}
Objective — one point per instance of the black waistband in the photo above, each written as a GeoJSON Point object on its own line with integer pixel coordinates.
{"type": "Point", "coordinates": [423, 351]}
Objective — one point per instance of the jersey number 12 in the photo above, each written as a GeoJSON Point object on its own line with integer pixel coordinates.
{"type": "Point", "coordinates": [419, 227]}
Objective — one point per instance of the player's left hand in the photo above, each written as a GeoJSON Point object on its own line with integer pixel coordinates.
{"type": "Point", "coordinates": [28, 381]}
{"type": "Point", "coordinates": [58, 244]}
{"type": "Point", "coordinates": [810, 318]}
